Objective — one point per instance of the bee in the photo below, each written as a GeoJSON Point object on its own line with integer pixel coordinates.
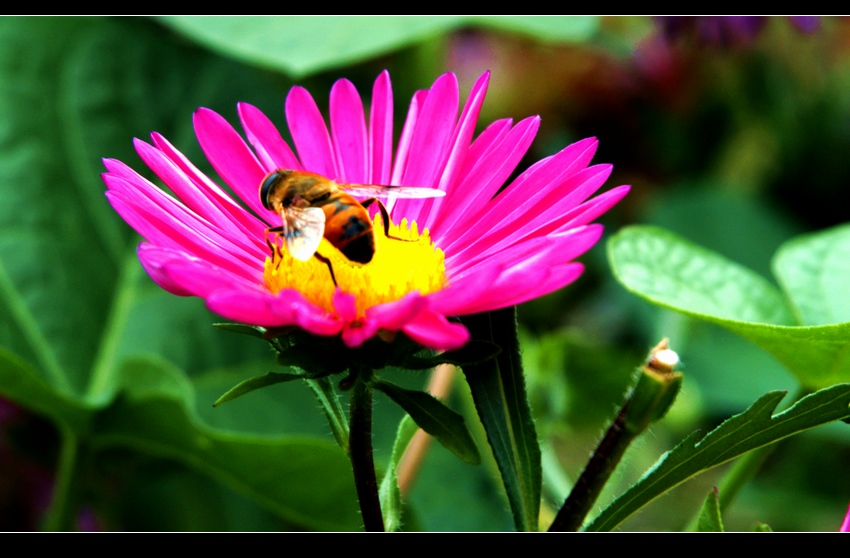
{"type": "Point", "coordinates": [312, 207]}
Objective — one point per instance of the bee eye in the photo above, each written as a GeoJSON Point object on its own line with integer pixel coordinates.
{"type": "Point", "coordinates": [323, 197]}
{"type": "Point", "coordinates": [267, 187]}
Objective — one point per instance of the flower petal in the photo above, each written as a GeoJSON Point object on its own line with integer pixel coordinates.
{"type": "Point", "coordinates": [348, 127]}
{"type": "Point", "coordinates": [431, 208]}
{"type": "Point", "coordinates": [163, 224]}
{"type": "Point", "coordinates": [430, 142]}
{"type": "Point", "coordinates": [480, 185]}
{"type": "Point", "coordinates": [381, 131]}
{"type": "Point", "coordinates": [345, 305]}
{"type": "Point", "coordinates": [434, 330]}
{"type": "Point", "coordinates": [273, 152]}
{"type": "Point", "coordinates": [504, 224]}
{"type": "Point", "coordinates": [153, 260]}
{"type": "Point", "coordinates": [249, 307]}
{"type": "Point", "coordinates": [391, 316]}
{"type": "Point", "coordinates": [196, 199]}
{"type": "Point", "coordinates": [231, 158]}
{"type": "Point", "coordinates": [310, 134]}
{"type": "Point", "coordinates": [354, 335]}
{"type": "Point", "coordinates": [406, 138]}
{"type": "Point", "coordinates": [250, 225]}
{"type": "Point", "coordinates": [514, 288]}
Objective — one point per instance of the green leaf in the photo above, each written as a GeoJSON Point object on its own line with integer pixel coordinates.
{"type": "Point", "coordinates": [78, 90]}
{"type": "Point", "coordinates": [709, 516]}
{"type": "Point", "coordinates": [20, 383]}
{"type": "Point", "coordinates": [305, 480]}
{"type": "Point", "coordinates": [447, 426]}
{"type": "Point", "coordinates": [813, 270]}
{"type": "Point", "coordinates": [53, 261]}
{"type": "Point", "coordinates": [252, 331]}
{"type": "Point", "coordinates": [390, 494]}
{"type": "Point", "coordinates": [498, 390]}
{"type": "Point", "coordinates": [754, 428]}
{"type": "Point", "coordinates": [303, 45]}
{"type": "Point", "coordinates": [673, 273]}
{"type": "Point", "coordinates": [549, 28]}
{"type": "Point", "coordinates": [257, 382]}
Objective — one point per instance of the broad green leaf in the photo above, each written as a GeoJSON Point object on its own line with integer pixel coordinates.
{"type": "Point", "coordinates": [498, 390]}
{"type": "Point", "coordinates": [22, 384]}
{"type": "Point", "coordinates": [548, 28]}
{"type": "Point", "coordinates": [717, 215]}
{"type": "Point", "coordinates": [78, 90]}
{"type": "Point", "coordinates": [677, 274]}
{"type": "Point", "coordinates": [305, 480]}
{"type": "Point", "coordinates": [302, 45]}
{"type": "Point", "coordinates": [813, 270]}
{"type": "Point", "coordinates": [754, 428]}
{"type": "Point", "coordinates": [54, 260]}
{"type": "Point", "coordinates": [435, 418]}
{"type": "Point", "coordinates": [390, 495]}
{"type": "Point", "coordinates": [288, 408]}
{"type": "Point", "coordinates": [709, 516]}
{"type": "Point", "coordinates": [165, 495]}
{"type": "Point", "coordinates": [257, 382]}
{"type": "Point", "coordinates": [673, 273]}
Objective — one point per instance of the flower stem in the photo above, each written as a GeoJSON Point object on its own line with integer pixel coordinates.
{"type": "Point", "coordinates": [362, 461]}
{"type": "Point", "coordinates": [596, 473]}
{"type": "Point", "coordinates": [62, 511]}
{"type": "Point", "coordinates": [655, 388]}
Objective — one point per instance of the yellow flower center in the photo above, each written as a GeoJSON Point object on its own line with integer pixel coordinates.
{"type": "Point", "coordinates": [398, 267]}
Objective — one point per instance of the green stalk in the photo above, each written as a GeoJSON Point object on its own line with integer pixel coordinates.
{"type": "Point", "coordinates": [62, 513]}
{"type": "Point", "coordinates": [655, 388]}
{"type": "Point", "coordinates": [362, 460]}
{"type": "Point", "coordinates": [595, 474]}
{"type": "Point", "coordinates": [324, 391]}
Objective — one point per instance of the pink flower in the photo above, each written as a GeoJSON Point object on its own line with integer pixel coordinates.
{"type": "Point", "coordinates": [481, 251]}
{"type": "Point", "coordinates": [845, 526]}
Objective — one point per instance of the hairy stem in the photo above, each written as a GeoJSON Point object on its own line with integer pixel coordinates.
{"type": "Point", "coordinates": [596, 473]}
{"type": "Point", "coordinates": [362, 460]}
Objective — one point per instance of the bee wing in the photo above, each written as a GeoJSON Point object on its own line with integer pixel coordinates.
{"type": "Point", "coordinates": [303, 229]}
{"type": "Point", "coordinates": [380, 191]}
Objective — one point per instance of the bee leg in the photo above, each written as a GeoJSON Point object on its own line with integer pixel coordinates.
{"type": "Point", "coordinates": [272, 230]}
{"type": "Point", "coordinates": [327, 262]}
{"type": "Point", "coordinates": [277, 255]}
{"type": "Point", "coordinates": [385, 218]}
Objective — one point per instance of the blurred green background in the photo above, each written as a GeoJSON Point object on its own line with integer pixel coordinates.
{"type": "Point", "coordinates": [737, 142]}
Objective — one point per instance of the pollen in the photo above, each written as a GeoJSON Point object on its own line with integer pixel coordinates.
{"type": "Point", "coordinates": [405, 261]}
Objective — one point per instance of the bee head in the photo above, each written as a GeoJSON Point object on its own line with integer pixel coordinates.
{"type": "Point", "coordinates": [269, 187]}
